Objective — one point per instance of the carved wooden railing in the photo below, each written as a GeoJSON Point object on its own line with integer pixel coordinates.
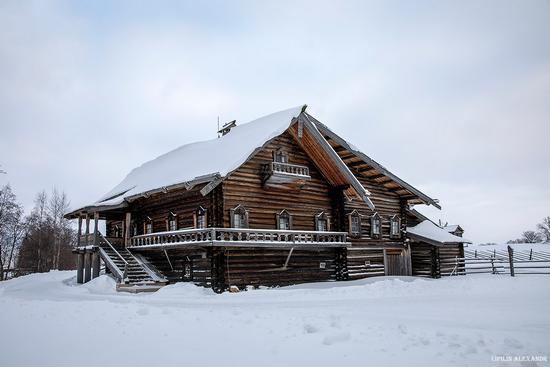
{"type": "Point", "coordinates": [289, 169]}
{"type": "Point", "coordinates": [187, 236]}
{"type": "Point", "coordinates": [238, 237]}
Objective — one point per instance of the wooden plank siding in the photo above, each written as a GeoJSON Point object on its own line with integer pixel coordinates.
{"type": "Point", "coordinates": [244, 187]}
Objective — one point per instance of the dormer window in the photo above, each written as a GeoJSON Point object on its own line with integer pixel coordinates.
{"type": "Point", "coordinates": [239, 217]}
{"type": "Point", "coordinates": [354, 223]}
{"type": "Point", "coordinates": [148, 226]}
{"type": "Point", "coordinates": [284, 221]}
{"type": "Point", "coordinates": [200, 217]}
{"type": "Point", "coordinates": [375, 226]}
{"type": "Point", "coordinates": [395, 226]}
{"type": "Point", "coordinates": [172, 222]}
{"type": "Point", "coordinates": [321, 222]}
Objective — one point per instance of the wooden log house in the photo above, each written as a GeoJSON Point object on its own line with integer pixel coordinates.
{"type": "Point", "coordinates": [277, 201]}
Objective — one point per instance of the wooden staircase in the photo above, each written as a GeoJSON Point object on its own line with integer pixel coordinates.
{"type": "Point", "coordinates": [132, 273]}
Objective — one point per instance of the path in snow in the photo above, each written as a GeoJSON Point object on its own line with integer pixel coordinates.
{"type": "Point", "coordinates": [48, 320]}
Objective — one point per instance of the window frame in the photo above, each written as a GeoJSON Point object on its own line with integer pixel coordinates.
{"type": "Point", "coordinates": [373, 220]}
{"type": "Point", "coordinates": [200, 212]}
{"type": "Point", "coordinates": [280, 152]}
{"type": "Point", "coordinates": [322, 216]}
{"type": "Point", "coordinates": [148, 222]}
{"type": "Point", "coordinates": [354, 214]}
{"type": "Point", "coordinates": [172, 218]}
{"type": "Point", "coordinates": [284, 213]}
{"type": "Point", "coordinates": [241, 210]}
{"type": "Point", "coordinates": [395, 219]}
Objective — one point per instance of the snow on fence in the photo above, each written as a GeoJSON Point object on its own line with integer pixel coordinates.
{"type": "Point", "coordinates": [512, 262]}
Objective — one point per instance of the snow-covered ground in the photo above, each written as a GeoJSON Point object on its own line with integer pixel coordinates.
{"type": "Point", "coordinates": [48, 320]}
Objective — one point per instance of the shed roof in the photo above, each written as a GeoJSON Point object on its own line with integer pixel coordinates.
{"type": "Point", "coordinates": [427, 231]}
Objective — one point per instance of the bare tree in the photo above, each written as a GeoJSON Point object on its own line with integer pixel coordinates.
{"type": "Point", "coordinates": [544, 229]}
{"type": "Point", "coordinates": [57, 206]}
{"type": "Point", "coordinates": [11, 229]}
{"type": "Point", "coordinates": [531, 237]}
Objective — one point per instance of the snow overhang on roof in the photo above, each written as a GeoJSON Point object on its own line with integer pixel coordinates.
{"type": "Point", "coordinates": [427, 231]}
{"type": "Point", "coordinates": [209, 162]}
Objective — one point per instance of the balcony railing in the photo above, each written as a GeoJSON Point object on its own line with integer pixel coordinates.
{"type": "Point", "coordinates": [289, 169]}
{"type": "Point", "coordinates": [240, 237]}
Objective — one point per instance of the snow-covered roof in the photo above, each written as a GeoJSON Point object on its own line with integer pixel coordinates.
{"type": "Point", "coordinates": [190, 162]}
{"type": "Point", "coordinates": [430, 232]}
{"type": "Point", "coordinates": [451, 228]}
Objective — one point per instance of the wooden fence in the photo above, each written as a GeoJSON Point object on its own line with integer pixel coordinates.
{"type": "Point", "coordinates": [511, 262]}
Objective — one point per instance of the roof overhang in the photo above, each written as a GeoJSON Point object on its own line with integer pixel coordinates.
{"type": "Point", "coordinates": [325, 131]}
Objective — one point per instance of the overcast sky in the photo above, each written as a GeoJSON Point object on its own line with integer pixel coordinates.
{"type": "Point", "coordinates": [453, 97]}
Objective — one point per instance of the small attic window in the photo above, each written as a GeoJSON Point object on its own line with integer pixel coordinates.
{"type": "Point", "coordinates": [375, 225]}
{"type": "Point", "coordinates": [280, 156]}
{"type": "Point", "coordinates": [239, 217]}
{"type": "Point", "coordinates": [395, 224]}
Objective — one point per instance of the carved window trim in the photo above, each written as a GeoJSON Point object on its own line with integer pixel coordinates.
{"type": "Point", "coordinates": [354, 220]}
{"type": "Point", "coordinates": [322, 222]}
{"type": "Point", "coordinates": [395, 226]}
{"type": "Point", "coordinates": [284, 214]}
{"type": "Point", "coordinates": [280, 155]}
{"type": "Point", "coordinates": [172, 222]}
{"type": "Point", "coordinates": [243, 213]}
{"type": "Point", "coordinates": [376, 226]}
{"type": "Point", "coordinates": [148, 226]}
{"type": "Point", "coordinates": [200, 218]}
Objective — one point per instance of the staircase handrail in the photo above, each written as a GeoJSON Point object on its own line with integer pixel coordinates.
{"type": "Point", "coordinates": [112, 248]}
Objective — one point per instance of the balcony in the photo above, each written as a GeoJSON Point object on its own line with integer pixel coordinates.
{"type": "Point", "coordinates": [281, 175]}
{"type": "Point", "coordinates": [240, 237]}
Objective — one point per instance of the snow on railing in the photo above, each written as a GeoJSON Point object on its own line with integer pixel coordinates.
{"type": "Point", "coordinates": [290, 169]}
{"type": "Point", "coordinates": [238, 237]}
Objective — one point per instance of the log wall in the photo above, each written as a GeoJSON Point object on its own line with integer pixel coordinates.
{"type": "Point", "coordinates": [244, 187]}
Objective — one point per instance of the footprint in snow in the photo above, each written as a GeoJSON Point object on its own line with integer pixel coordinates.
{"type": "Point", "coordinates": [336, 338]}
{"type": "Point", "coordinates": [310, 329]}
{"type": "Point", "coordinates": [142, 311]}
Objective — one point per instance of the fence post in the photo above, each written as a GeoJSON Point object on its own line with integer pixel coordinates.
{"type": "Point", "coordinates": [511, 260]}
{"type": "Point", "coordinates": [493, 265]}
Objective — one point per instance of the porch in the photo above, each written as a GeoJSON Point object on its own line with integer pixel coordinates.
{"type": "Point", "coordinates": [239, 237]}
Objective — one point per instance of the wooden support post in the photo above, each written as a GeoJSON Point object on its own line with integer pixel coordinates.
{"type": "Point", "coordinates": [79, 230]}
{"type": "Point", "coordinates": [127, 229]}
{"type": "Point", "coordinates": [87, 229]}
{"type": "Point", "coordinates": [87, 266]}
{"type": "Point", "coordinates": [511, 260]}
{"type": "Point", "coordinates": [96, 234]}
{"type": "Point", "coordinates": [80, 268]}
{"type": "Point", "coordinates": [95, 264]}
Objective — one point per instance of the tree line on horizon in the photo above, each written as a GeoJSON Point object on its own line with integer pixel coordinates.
{"type": "Point", "coordinates": [542, 234]}
{"type": "Point", "coordinates": [38, 242]}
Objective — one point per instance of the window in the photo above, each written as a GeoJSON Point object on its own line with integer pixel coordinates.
{"type": "Point", "coordinates": [375, 225]}
{"type": "Point", "coordinates": [321, 222]}
{"type": "Point", "coordinates": [172, 222]}
{"type": "Point", "coordinates": [117, 232]}
{"type": "Point", "coordinates": [354, 223]}
{"type": "Point", "coordinates": [200, 218]}
{"type": "Point", "coordinates": [239, 217]}
{"type": "Point", "coordinates": [134, 229]}
{"type": "Point", "coordinates": [395, 224]}
{"type": "Point", "coordinates": [280, 156]}
{"type": "Point", "coordinates": [284, 221]}
{"type": "Point", "coordinates": [148, 226]}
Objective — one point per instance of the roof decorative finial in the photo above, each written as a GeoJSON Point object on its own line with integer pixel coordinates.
{"type": "Point", "coordinates": [304, 108]}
